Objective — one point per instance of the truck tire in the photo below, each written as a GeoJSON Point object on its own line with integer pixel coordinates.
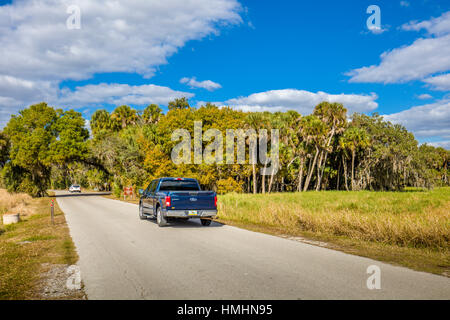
{"type": "Point", "coordinates": [160, 219]}
{"type": "Point", "coordinates": [141, 212]}
{"type": "Point", "coordinates": [205, 222]}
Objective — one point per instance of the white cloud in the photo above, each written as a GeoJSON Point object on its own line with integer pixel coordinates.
{"type": "Point", "coordinates": [423, 58]}
{"type": "Point", "coordinates": [426, 121]}
{"type": "Point", "coordinates": [404, 3]}
{"type": "Point", "coordinates": [82, 96]}
{"type": "Point", "coordinates": [436, 26]}
{"type": "Point", "coordinates": [16, 93]}
{"type": "Point", "coordinates": [442, 144]}
{"type": "Point", "coordinates": [378, 30]}
{"type": "Point", "coordinates": [26, 90]}
{"type": "Point", "coordinates": [115, 36]}
{"type": "Point", "coordinates": [300, 100]}
{"type": "Point", "coordinates": [38, 51]}
{"type": "Point", "coordinates": [424, 96]}
{"type": "Point", "coordinates": [119, 94]}
{"type": "Point", "coordinates": [206, 84]}
{"type": "Point", "coordinates": [440, 82]}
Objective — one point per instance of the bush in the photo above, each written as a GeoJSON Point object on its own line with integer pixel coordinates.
{"type": "Point", "coordinates": [229, 185]}
{"type": "Point", "coordinates": [117, 190]}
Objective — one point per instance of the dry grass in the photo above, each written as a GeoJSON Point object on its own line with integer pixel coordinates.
{"type": "Point", "coordinates": [15, 203]}
{"type": "Point", "coordinates": [416, 222]}
{"type": "Point", "coordinates": [29, 245]}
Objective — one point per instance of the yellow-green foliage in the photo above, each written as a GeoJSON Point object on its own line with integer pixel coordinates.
{"type": "Point", "coordinates": [229, 185]}
{"type": "Point", "coordinates": [413, 218]}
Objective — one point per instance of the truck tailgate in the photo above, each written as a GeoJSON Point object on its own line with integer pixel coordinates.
{"type": "Point", "coordinates": [192, 200]}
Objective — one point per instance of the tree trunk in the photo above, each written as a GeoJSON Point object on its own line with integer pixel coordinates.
{"type": "Point", "coordinates": [263, 185]}
{"type": "Point", "coordinates": [319, 183]}
{"type": "Point", "coordinates": [319, 165]}
{"type": "Point", "coordinates": [271, 179]}
{"type": "Point", "coordinates": [345, 173]}
{"type": "Point", "coordinates": [353, 170]}
{"type": "Point", "coordinates": [308, 178]}
{"type": "Point", "coordinates": [300, 176]}
{"type": "Point", "coordinates": [255, 183]}
{"type": "Point", "coordinates": [338, 175]}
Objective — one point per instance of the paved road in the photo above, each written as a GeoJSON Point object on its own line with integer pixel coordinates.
{"type": "Point", "coordinates": [122, 257]}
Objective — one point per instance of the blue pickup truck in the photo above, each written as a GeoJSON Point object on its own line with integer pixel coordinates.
{"type": "Point", "coordinates": [169, 199]}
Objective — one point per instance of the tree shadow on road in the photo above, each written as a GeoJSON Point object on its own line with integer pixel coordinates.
{"type": "Point", "coordinates": [89, 194]}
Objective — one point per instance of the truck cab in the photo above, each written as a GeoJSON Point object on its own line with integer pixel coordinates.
{"type": "Point", "coordinates": [168, 199]}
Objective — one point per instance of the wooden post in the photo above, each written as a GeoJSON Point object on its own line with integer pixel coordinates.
{"type": "Point", "coordinates": [52, 213]}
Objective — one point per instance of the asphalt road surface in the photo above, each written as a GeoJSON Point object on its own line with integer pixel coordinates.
{"type": "Point", "coordinates": [122, 257]}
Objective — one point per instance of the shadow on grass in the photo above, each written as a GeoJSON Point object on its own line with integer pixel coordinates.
{"type": "Point", "coordinates": [413, 190]}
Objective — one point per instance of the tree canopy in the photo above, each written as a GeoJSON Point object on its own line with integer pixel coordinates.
{"type": "Point", "coordinates": [43, 147]}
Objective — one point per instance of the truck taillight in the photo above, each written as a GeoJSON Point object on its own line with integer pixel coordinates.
{"type": "Point", "coordinates": [215, 201]}
{"type": "Point", "coordinates": [168, 201]}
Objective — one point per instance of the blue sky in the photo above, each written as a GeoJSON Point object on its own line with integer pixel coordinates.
{"type": "Point", "coordinates": [256, 55]}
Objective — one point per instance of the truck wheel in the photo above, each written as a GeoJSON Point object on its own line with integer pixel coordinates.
{"type": "Point", "coordinates": [141, 212]}
{"type": "Point", "coordinates": [205, 222]}
{"type": "Point", "coordinates": [160, 218]}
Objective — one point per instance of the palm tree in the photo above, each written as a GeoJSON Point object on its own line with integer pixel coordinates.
{"type": "Point", "coordinates": [181, 103]}
{"type": "Point", "coordinates": [254, 121]}
{"type": "Point", "coordinates": [100, 120]}
{"type": "Point", "coordinates": [334, 115]}
{"type": "Point", "coordinates": [151, 114]}
{"type": "Point", "coordinates": [124, 116]}
{"type": "Point", "coordinates": [353, 139]}
{"type": "Point", "coordinates": [313, 131]}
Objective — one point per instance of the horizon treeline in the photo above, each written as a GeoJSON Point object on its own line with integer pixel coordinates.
{"type": "Point", "coordinates": [44, 148]}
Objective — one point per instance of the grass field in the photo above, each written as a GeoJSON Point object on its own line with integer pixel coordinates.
{"type": "Point", "coordinates": [32, 246]}
{"type": "Point", "coordinates": [410, 228]}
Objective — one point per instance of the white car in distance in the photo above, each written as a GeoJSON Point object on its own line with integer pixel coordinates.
{"type": "Point", "coordinates": [75, 188]}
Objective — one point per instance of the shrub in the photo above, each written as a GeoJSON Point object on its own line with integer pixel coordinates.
{"type": "Point", "coordinates": [228, 185]}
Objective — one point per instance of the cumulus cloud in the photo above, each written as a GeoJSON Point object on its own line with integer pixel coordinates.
{"type": "Point", "coordinates": [300, 100]}
{"type": "Point", "coordinates": [436, 26]}
{"type": "Point", "coordinates": [423, 58]}
{"type": "Point", "coordinates": [115, 36]}
{"type": "Point", "coordinates": [440, 82]}
{"type": "Point", "coordinates": [206, 84]}
{"type": "Point", "coordinates": [424, 96]}
{"type": "Point", "coordinates": [426, 121]}
{"type": "Point", "coordinates": [118, 94]}
{"type": "Point", "coordinates": [38, 51]}
{"type": "Point", "coordinates": [404, 3]}
{"type": "Point", "coordinates": [377, 30]}
{"type": "Point", "coordinates": [442, 144]}
{"type": "Point", "coordinates": [82, 96]}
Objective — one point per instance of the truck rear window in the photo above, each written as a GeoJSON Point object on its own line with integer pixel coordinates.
{"type": "Point", "coordinates": [178, 185]}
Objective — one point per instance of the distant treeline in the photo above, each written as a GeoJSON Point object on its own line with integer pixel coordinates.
{"type": "Point", "coordinates": [43, 148]}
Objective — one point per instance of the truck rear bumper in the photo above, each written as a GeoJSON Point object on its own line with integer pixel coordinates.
{"type": "Point", "coordinates": [189, 213]}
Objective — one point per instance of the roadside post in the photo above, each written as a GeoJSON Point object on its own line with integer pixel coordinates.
{"type": "Point", "coordinates": [52, 211]}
